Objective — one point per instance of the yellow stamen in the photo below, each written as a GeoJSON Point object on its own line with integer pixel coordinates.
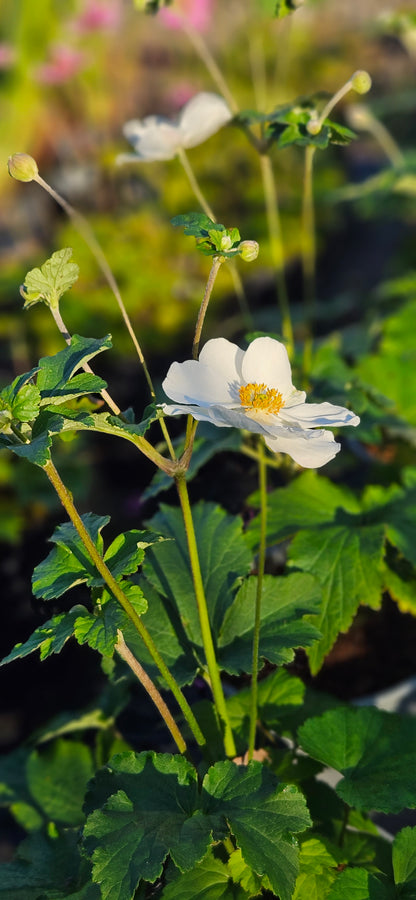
{"type": "Point", "coordinates": [258, 397]}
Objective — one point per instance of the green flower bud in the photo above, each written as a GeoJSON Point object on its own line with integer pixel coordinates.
{"type": "Point", "coordinates": [361, 81]}
{"type": "Point", "coordinates": [22, 167]}
{"type": "Point", "coordinates": [226, 242]}
{"type": "Point", "coordinates": [313, 126]}
{"type": "Point", "coordinates": [249, 250]}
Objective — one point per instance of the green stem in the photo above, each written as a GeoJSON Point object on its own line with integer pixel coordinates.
{"type": "Point", "coordinates": [276, 245]}
{"type": "Point", "coordinates": [150, 687]}
{"type": "Point", "coordinates": [235, 275]}
{"type": "Point", "coordinates": [215, 268]}
{"type": "Point", "coordinates": [257, 615]}
{"type": "Point", "coordinates": [114, 587]}
{"type": "Point", "coordinates": [207, 640]}
{"type": "Point", "coordinates": [308, 250]}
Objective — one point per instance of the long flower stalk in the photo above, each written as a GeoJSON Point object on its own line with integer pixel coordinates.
{"type": "Point", "coordinates": [215, 268]}
{"type": "Point", "coordinates": [117, 592]}
{"type": "Point", "coordinates": [208, 643]}
{"type": "Point", "coordinates": [262, 468]}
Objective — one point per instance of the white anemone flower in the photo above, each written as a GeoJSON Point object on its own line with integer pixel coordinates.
{"type": "Point", "coordinates": [253, 390]}
{"type": "Point", "coordinates": [158, 138]}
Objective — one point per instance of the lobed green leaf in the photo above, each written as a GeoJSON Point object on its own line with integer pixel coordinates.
{"type": "Point", "coordinates": [374, 752]}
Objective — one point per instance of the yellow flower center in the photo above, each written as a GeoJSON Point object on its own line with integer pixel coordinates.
{"type": "Point", "coordinates": [259, 398]}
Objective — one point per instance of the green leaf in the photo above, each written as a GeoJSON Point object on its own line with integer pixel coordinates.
{"type": "Point", "coordinates": [359, 884]}
{"type": "Point", "coordinates": [19, 400]}
{"type": "Point", "coordinates": [56, 380]}
{"type": "Point", "coordinates": [347, 561]}
{"type": "Point", "coordinates": [195, 224]}
{"type": "Point", "coordinates": [49, 637]}
{"type": "Point", "coordinates": [126, 553]}
{"type": "Point", "coordinates": [404, 861]}
{"type": "Point", "coordinates": [224, 557]}
{"type": "Point", "coordinates": [36, 452]}
{"type": "Point", "coordinates": [148, 809]}
{"type": "Point", "coordinates": [262, 816]}
{"type": "Point", "coordinates": [166, 629]}
{"type": "Point", "coordinates": [44, 866]}
{"type": "Point", "coordinates": [318, 866]}
{"type": "Point", "coordinates": [99, 629]}
{"type": "Point", "coordinates": [48, 283]}
{"type": "Point", "coordinates": [245, 877]}
{"type": "Point", "coordinates": [374, 752]}
{"type": "Point", "coordinates": [285, 601]}
{"type": "Point", "coordinates": [310, 500]}
{"type": "Point", "coordinates": [57, 776]}
{"type": "Point", "coordinates": [278, 696]}
{"type": "Point", "coordinates": [208, 880]}
{"type": "Point", "coordinates": [69, 564]}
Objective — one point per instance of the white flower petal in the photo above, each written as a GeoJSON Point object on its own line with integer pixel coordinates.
{"type": "Point", "coordinates": [310, 449]}
{"type": "Point", "coordinates": [153, 138]}
{"type": "Point", "coordinates": [201, 117]}
{"type": "Point", "coordinates": [193, 382]}
{"type": "Point", "coordinates": [225, 357]}
{"type": "Point", "coordinates": [313, 415]}
{"type": "Point", "coordinates": [266, 361]}
{"type": "Point", "coordinates": [220, 416]}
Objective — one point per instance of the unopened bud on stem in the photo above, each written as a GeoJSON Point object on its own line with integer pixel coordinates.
{"type": "Point", "coordinates": [361, 81]}
{"type": "Point", "coordinates": [249, 250]}
{"type": "Point", "coordinates": [22, 167]}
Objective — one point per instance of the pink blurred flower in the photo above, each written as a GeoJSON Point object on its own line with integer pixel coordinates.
{"type": "Point", "coordinates": [98, 16]}
{"type": "Point", "coordinates": [7, 56]}
{"type": "Point", "coordinates": [195, 12]}
{"type": "Point", "coordinates": [180, 94]}
{"type": "Point", "coordinates": [64, 63]}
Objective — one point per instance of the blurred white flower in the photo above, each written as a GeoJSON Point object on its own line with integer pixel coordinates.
{"type": "Point", "coordinates": [253, 390]}
{"type": "Point", "coordinates": [157, 138]}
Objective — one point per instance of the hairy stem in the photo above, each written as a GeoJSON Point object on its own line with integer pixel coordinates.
{"type": "Point", "coordinates": [215, 268]}
{"type": "Point", "coordinates": [117, 592]}
{"type": "Point", "coordinates": [150, 687]}
{"type": "Point", "coordinates": [257, 616]}
{"type": "Point", "coordinates": [213, 670]}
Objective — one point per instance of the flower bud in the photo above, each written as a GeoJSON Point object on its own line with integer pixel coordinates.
{"type": "Point", "coordinates": [22, 167]}
{"type": "Point", "coordinates": [361, 81]}
{"type": "Point", "coordinates": [249, 250]}
{"type": "Point", "coordinates": [226, 242]}
{"type": "Point", "coordinates": [313, 126]}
